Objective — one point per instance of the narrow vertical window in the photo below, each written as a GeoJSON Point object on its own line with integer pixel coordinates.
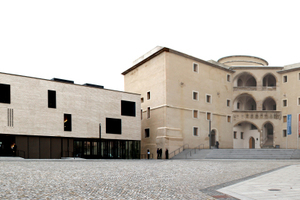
{"type": "Point", "coordinates": [195, 67]}
{"type": "Point", "coordinates": [229, 119]}
{"type": "Point", "coordinates": [147, 132]}
{"type": "Point", "coordinates": [195, 95]}
{"type": "Point", "coordinates": [284, 103]}
{"type": "Point", "coordinates": [228, 103]}
{"type": "Point", "coordinates": [242, 135]}
{"type": "Point", "coordinates": [148, 112]}
{"type": "Point", "coordinates": [195, 131]}
{"type": "Point", "coordinates": [284, 133]}
{"type": "Point", "coordinates": [148, 95]}
{"type": "Point", "coordinates": [142, 100]}
{"type": "Point", "coordinates": [234, 134]}
{"type": "Point", "coordinates": [285, 79]}
{"type": "Point", "coordinates": [195, 113]}
{"type": "Point", "coordinates": [208, 116]}
{"type": "Point", "coordinates": [67, 122]}
{"type": "Point", "coordinates": [141, 113]}
{"type": "Point", "coordinates": [51, 99]}
{"type": "Point", "coordinates": [208, 98]}
{"type": "Point", "coordinates": [228, 77]}
{"type": "Point", "coordinates": [284, 118]}
{"type": "Point", "coordinates": [298, 101]}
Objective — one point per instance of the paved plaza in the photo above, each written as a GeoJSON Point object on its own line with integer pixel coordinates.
{"type": "Point", "coordinates": [145, 179]}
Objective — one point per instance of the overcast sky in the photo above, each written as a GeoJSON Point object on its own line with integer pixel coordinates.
{"type": "Point", "coordinates": [95, 41]}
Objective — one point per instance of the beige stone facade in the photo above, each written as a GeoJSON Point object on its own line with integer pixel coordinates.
{"type": "Point", "coordinates": [27, 120]}
{"type": "Point", "coordinates": [246, 100]}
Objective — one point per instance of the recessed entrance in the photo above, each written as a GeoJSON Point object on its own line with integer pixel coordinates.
{"type": "Point", "coordinates": [6, 144]}
{"type": "Point", "coordinates": [251, 143]}
{"type": "Point", "coordinates": [213, 138]}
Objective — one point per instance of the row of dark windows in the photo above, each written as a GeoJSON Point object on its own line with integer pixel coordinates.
{"type": "Point", "coordinates": [128, 108]}
{"type": "Point", "coordinates": [113, 125]}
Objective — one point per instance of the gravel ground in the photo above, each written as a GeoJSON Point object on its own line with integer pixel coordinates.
{"type": "Point", "coordinates": [123, 179]}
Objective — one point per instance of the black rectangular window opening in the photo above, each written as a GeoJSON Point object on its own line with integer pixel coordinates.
{"type": "Point", "coordinates": [51, 99]}
{"type": "Point", "coordinates": [113, 126]}
{"type": "Point", "coordinates": [67, 122]}
{"type": "Point", "coordinates": [4, 93]}
{"type": "Point", "coordinates": [147, 132]}
{"type": "Point", "coordinates": [128, 108]}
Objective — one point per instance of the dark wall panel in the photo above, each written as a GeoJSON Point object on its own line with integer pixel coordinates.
{"type": "Point", "coordinates": [44, 148]}
{"type": "Point", "coordinates": [55, 148]}
{"type": "Point", "coordinates": [21, 142]}
{"type": "Point", "coordinates": [33, 147]}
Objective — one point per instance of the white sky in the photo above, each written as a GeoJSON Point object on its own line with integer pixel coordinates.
{"type": "Point", "coordinates": [95, 41]}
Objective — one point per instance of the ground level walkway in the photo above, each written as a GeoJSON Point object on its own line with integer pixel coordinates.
{"type": "Point", "coordinates": [149, 179]}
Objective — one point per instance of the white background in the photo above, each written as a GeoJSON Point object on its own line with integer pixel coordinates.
{"type": "Point", "coordinates": [95, 41]}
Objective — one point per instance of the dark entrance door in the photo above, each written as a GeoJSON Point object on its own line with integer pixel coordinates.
{"type": "Point", "coordinates": [6, 144]}
{"type": "Point", "coordinates": [213, 138]}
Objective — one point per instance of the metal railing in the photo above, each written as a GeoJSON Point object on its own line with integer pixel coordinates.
{"type": "Point", "coordinates": [145, 156]}
{"type": "Point", "coordinates": [195, 150]}
{"type": "Point", "coordinates": [180, 149]}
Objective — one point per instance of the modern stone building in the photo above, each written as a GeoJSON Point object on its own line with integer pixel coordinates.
{"type": "Point", "coordinates": [242, 100]}
{"type": "Point", "coordinates": [57, 118]}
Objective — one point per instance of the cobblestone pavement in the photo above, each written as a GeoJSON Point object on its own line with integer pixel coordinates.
{"type": "Point", "coordinates": [125, 179]}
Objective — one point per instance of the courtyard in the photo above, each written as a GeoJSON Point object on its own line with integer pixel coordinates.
{"type": "Point", "coordinates": [127, 179]}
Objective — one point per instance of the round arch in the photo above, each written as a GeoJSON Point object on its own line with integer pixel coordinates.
{"type": "Point", "coordinates": [268, 104]}
{"type": "Point", "coordinates": [236, 78]}
{"type": "Point", "coordinates": [245, 121]}
{"type": "Point", "coordinates": [266, 82]}
{"type": "Point", "coordinates": [246, 100]}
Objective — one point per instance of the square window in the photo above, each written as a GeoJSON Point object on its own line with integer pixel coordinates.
{"type": "Point", "coordinates": [148, 112]}
{"type": "Point", "coordinates": [113, 126]}
{"type": "Point", "coordinates": [147, 132]}
{"type": "Point", "coordinates": [234, 135]}
{"type": "Point", "coordinates": [148, 95]}
{"type": "Point", "coordinates": [195, 95]}
{"type": "Point", "coordinates": [208, 98]}
{"type": "Point", "coordinates": [229, 119]}
{"type": "Point", "coordinates": [4, 93]}
{"type": "Point", "coordinates": [228, 77]}
{"type": "Point", "coordinates": [228, 103]}
{"type": "Point", "coordinates": [284, 103]}
{"type": "Point", "coordinates": [67, 122]}
{"type": "Point", "coordinates": [284, 118]}
{"type": "Point", "coordinates": [284, 133]}
{"type": "Point", "coordinates": [285, 79]}
{"type": "Point", "coordinates": [195, 113]}
{"type": "Point", "coordinates": [195, 67]}
{"type": "Point", "coordinates": [195, 131]}
{"type": "Point", "coordinates": [128, 108]}
{"type": "Point", "coordinates": [242, 135]}
{"type": "Point", "coordinates": [51, 99]}
{"type": "Point", "coordinates": [208, 116]}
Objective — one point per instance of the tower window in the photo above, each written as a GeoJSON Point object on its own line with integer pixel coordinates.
{"type": "Point", "coordinates": [51, 99]}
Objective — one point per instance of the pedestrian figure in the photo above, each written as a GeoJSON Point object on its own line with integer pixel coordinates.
{"type": "Point", "coordinates": [217, 144]}
{"type": "Point", "coordinates": [148, 152]}
{"type": "Point", "coordinates": [157, 152]}
{"type": "Point", "coordinates": [160, 153]}
{"type": "Point", "coordinates": [167, 154]}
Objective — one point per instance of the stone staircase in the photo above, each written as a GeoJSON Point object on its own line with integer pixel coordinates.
{"type": "Point", "coordinates": [239, 154]}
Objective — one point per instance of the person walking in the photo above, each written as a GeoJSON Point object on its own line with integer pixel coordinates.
{"type": "Point", "coordinates": [148, 153]}
{"type": "Point", "coordinates": [167, 154]}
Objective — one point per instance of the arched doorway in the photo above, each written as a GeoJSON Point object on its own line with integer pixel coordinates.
{"type": "Point", "coordinates": [213, 138]}
{"type": "Point", "coordinates": [251, 143]}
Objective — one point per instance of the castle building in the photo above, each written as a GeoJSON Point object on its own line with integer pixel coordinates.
{"type": "Point", "coordinates": [239, 101]}
{"type": "Point", "coordinates": [56, 118]}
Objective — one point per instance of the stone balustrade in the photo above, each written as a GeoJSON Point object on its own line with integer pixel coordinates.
{"type": "Point", "coordinates": [256, 114]}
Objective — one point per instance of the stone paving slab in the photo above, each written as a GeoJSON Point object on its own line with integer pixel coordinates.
{"type": "Point", "coordinates": [125, 179]}
{"type": "Point", "coordinates": [280, 184]}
